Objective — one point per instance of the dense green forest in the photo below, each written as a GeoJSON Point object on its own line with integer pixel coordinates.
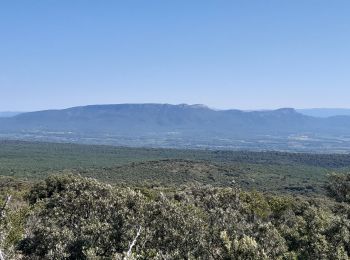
{"type": "Point", "coordinates": [263, 171]}
{"type": "Point", "coordinates": [65, 201]}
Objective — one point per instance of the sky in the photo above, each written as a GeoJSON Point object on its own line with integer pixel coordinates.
{"type": "Point", "coordinates": [243, 54]}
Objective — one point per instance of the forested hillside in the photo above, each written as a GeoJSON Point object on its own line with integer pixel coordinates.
{"type": "Point", "coordinates": [68, 201]}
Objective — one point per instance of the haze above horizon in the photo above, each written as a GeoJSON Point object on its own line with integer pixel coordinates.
{"type": "Point", "coordinates": [246, 55]}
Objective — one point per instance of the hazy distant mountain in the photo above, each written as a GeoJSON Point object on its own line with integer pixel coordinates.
{"type": "Point", "coordinates": [9, 114]}
{"type": "Point", "coordinates": [174, 125]}
{"type": "Point", "coordinates": [154, 118]}
{"type": "Point", "coordinates": [325, 112]}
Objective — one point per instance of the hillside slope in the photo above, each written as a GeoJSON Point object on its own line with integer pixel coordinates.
{"type": "Point", "coordinates": [170, 125]}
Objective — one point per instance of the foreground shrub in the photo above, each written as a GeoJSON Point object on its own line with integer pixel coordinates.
{"type": "Point", "coordinates": [79, 218]}
{"type": "Point", "coordinates": [339, 187]}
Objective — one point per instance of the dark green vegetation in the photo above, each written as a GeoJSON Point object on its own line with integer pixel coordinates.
{"type": "Point", "coordinates": [171, 204]}
{"type": "Point", "coordinates": [182, 126]}
{"type": "Point", "coordinates": [71, 217]}
{"type": "Point", "coordinates": [264, 171]}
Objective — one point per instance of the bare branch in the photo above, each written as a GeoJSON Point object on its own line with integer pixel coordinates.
{"type": "Point", "coordinates": [2, 215]}
{"type": "Point", "coordinates": [2, 257]}
{"type": "Point", "coordinates": [133, 242]}
{"type": "Point", "coordinates": [4, 207]}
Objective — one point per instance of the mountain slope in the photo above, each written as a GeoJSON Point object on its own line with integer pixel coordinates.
{"type": "Point", "coordinates": [155, 117]}
{"type": "Point", "coordinates": [189, 124]}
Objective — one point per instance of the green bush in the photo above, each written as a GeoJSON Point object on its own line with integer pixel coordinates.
{"type": "Point", "coordinates": [72, 217]}
{"type": "Point", "coordinates": [339, 187]}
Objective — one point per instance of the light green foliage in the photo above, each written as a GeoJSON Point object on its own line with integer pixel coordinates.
{"type": "Point", "coordinates": [13, 213]}
{"type": "Point", "coordinates": [339, 187]}
{"type": "Point", "coordinates": [186, 204]}
{"type": "Point", "coordinates": [80, 218]}
{"type": "Point", "coordinates": [75, 217]}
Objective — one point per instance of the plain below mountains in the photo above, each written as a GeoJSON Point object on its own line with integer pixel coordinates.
{"type": "Point", "coordinates": [181, 126]}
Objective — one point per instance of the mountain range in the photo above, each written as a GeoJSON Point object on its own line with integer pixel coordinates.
{"type": "Point", "coordinates": [181, 125]}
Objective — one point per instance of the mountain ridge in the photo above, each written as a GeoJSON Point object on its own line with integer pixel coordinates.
{"type": "Point", "coordinates": [158, 124]}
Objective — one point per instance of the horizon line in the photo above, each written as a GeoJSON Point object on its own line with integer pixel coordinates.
{"type": "Point", "coordinates": [178, 104]}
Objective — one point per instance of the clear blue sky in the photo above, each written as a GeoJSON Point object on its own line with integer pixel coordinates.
{"type": "Point", "coordinates": [226, 54]}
